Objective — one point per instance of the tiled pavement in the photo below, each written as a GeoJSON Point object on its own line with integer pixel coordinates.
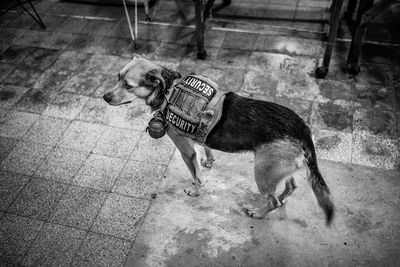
{"type": "Point", "coordinates": [77, 175]}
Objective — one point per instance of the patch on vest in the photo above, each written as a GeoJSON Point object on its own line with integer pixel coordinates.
{"type": "Point", "coordinates": [181, 123]}
{"type": "Point", "coordinates": [188, 103]}
{"type": "Point", "coordinates": [200, 86]}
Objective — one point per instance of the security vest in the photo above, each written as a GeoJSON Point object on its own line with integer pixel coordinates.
{"type": "Point", "coordinates": [194, 106]}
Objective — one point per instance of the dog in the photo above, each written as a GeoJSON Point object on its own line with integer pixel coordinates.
{"type": "Point", "coordinates": [279, 138]}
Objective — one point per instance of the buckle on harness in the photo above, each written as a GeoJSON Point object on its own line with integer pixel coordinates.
{"type": "Point", "coordinates": [205, 117]}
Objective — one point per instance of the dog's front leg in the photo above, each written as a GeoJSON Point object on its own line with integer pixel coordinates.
{"type": "Point", "coordinates": [188, 153]}
{"type": "Point", "coordinates": [209, 160]}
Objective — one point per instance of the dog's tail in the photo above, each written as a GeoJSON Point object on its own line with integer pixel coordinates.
{"type": "Point", "coordinates": [318, 184]}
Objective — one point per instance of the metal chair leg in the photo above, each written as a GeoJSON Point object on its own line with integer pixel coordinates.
{"type": "Point", "coordinates": [37, 18]}
{"type": "Point", "coordinates": [201, 52]}
{"type": "Point", "coordinates": [334, 20]}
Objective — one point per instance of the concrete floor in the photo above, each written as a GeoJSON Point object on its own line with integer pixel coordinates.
{"type": "Point", "coordinates": [78, 177]}
{"type": "Point", "coordinates": [212, 230]}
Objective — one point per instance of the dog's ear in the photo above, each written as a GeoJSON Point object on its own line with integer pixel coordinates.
{"type": "Point", "coordinates": [169, 76]}
{"type": "Point", "coordinates": [155, 79]}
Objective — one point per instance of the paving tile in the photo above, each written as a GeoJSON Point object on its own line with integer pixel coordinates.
{"type": "Point", "coordinates": [193, 64]}
{"type": "Point", "coordinates": [15, 124]}
{"type": "Point", "coordinates": [374, 73]}
{"type": "Point", "coordinates": [99, 172]}
{"type": "Point", "coordinates": [170, 52]}
{"type": "Point", "coordinates": [6, 145]}
{"type": "Point", "coordinates": [59, 8]}
{"type": "Point", "coordinates": [288, 45]}
{"type": "Point", "coordinates": [72, 61]}
{"type": "Point", "coordinates": [8, 35]}
{"type": "Point", "coordinates": [331, 90]}
{"type": "Point", "coordinates": [35, 57]}
{"type": "Point", "coordinates": [180, 35]}
{"type": "Point", "coordinates": [228, 79]}
{"type": "Point", "coordinates": [116, 142]}
{"type": "Point", "coordinates": [264, 61]}
{"type": "Point", "coordinates": [23, 75]}
{"type": "Point", "coordinates": [139, 179]}
{"type": "Point", "coordinates": [329, 116]}
{"type": "Point", "coordinates": [109, 80]}
{"type": "Point", "coordinates": [87, 10]}
{"type": "Point", "coordinates": [232, 58]}
{"type": "Point", "coordinates": [87, 44]}
{"type": "Point", "coordinates": [31, 38]}
{"type": "Point", "coordinates": [151, 32]}
{"type": "Point", "coordinates": [34, 101]}
{"type": "Point", "coordinates": [113, 12]}
{"type": "Point", "coordinates": [239, 40]}
{"type": "Point", "coordinates": [23, 21]}
{"type": "Point", "coordinates": [280, 11]}
{"type": "Point", "coordinates": [101, 250]}
{"type": "Point", "coordinates": [98, 27]}
{"type": "Point", "coordinates": [301, 107]}
{"type": "Point", "coordinates": [16, 236]}
{"type": "Point", "coordinates": [371, 53]}
{"type": "Point", "coordinates": [120, 29]}
{"type": "Point", "coordinates": [260, 83]}
{"type": "Point", "coordinates": [65, 105]}
{"type": "Point", "coordinates": [25, 157]}
{"type": "Point", "coordinates": [72, 25]}
{"type": "Point", "coordinates": [124, 47]}
{"type": "Point", "coordinates": [53, 80]}
{"type": "Point", "coordinates": [375, 96]}
{"type": "Point", "coordinates": [6, 69]}
{"type": "Point", "coordinates": [156, 151]}
{"type": "Point", "coordinates": [213, 38]}
{"type": "Point", "coordinates": [37, 199]}
{"type": "Point", "coordinates": [375, 121]}
{"type": "Point", "coordinates": [333, 145]}
{"type": "Point", "coordinates": [85, 83]}
{"type": "Point", "coordinates": [315, 12]}
{"type": "Point", "coordinates": [298, 66]}
{"type": "Point", "coordinates": [57, 40]}
{"type": "Point", "coordinates": [134, 116]}
{"type": "Point", "coordinates": [7, 18]}
{"type": "Point", "coordinates": [9, 95]}
{"type": "Point", "coordinates": [375, 151]}
{"type": "Point", "coordinates": [82, 136]}
{"type": "Point", "coordinates": [121, 216]}
{"type": "Point", "coordinates": [96, 110]}
{"type": "Point", "coordinates": [297, 86]}
{"type": "Point", "coordinates": [10, 185]}
{"type": "Point", "coordinates": [78, 207]}
{"type": "Point", "coordinates": [55, 245]}
{"type": "Point", "coordinates": [99, 63]}
{"type": "Point", "coordinates": [51, 22]}
{"type": "Point", "coordinates": [68, 65]}
{"type": "Point", "coordinates": [61, 164]}
{"type": "Point", "coordinates": [47, 130]}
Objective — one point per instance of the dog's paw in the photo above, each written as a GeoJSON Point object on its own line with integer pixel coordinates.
{"type": "Point", "coordinates": [252, 212]}
{"type": "Point", "coordinates": [208, 163]}
{"type": "Point", "coordinates": [191, 192]}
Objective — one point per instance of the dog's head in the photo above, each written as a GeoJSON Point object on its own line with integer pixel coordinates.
{"type": "Point", "coordinates": [141, 78]}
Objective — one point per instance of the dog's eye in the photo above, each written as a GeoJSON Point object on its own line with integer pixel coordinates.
{"type": "Point", "coordinates": [126, 85]}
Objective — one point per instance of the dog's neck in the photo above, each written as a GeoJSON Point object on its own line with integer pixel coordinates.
{"type": "Point", "coordinates": [156, 99]}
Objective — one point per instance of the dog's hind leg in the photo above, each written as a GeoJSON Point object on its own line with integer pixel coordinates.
{"type": "Point", "coordinates": [273, 163]}
{"type": "Point", "coordinates": [209, 160]}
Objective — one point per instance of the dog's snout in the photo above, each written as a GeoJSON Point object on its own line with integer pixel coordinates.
{"type": "Point", "coordinates": [107, 97]}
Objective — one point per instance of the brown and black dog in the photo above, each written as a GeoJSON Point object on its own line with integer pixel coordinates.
{"type": "Point", "coordinates": [279, 138]}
